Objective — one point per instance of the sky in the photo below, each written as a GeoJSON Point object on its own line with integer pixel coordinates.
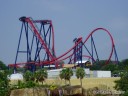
{"type": "Point", "coordinates": [71, 19]}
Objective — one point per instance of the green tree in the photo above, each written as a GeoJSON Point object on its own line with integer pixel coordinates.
{"type": "Point", "coordinates": [29, 76]}
{"type": "Point", "coordinates": [123, 64]}
{"type": "Point", "coordinates": [110, 67]}
{"type": "Point", "coordinates": [4, 84]}
{"type": "Point", "coordinates": [62, 74]}
{"type": "Point", "coordinates": [41, 75]}
{"type": "Point", "coordinates": [66, 74]}
{"type": "Point", "coordinates": [80, 74]}
{"type": "Point", "coordinates": [122, 84]}
{"type": "Point", "coordinates": [98, 64]}
{"type": "Point", "coordinates": [2, 66]}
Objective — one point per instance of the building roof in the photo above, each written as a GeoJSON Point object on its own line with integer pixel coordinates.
{"type": "Point", "coordinates": [83, 61]}
{"type": "Point", "coordinates": [68, 65]}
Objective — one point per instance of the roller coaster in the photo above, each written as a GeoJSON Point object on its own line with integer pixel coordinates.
{"type": "Point", "coordinates": [37, 36]}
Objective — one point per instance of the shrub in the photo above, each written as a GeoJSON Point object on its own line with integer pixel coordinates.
{"type": "Point", "coordinates": [4, 84]}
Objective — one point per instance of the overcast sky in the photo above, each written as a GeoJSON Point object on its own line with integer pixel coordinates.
{"type": "Point", "coordinates": [71, 18]}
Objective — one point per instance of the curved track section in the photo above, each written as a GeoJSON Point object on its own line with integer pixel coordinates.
{"type": "Point", "coordinates": [112, 41]}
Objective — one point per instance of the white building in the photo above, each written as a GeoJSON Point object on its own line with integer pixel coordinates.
{"type": "Point", "coordinates": [101, 73]}
{"type": "Point", "coordinates": [16, 76]}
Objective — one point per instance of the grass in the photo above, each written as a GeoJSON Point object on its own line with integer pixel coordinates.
{"type": "Point", "coordinates": [87, 82]}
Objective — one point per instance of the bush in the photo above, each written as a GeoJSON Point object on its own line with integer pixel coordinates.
{"type": "Point", "coordinates": [4, 84]}
{"type": "Point", "coordinates": [122, 84]}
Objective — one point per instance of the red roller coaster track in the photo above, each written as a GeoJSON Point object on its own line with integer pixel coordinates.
{"type": "Point", "coordinates": [67, 54]}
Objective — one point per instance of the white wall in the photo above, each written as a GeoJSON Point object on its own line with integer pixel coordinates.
{"type": "Point", "coordinates": [102, 73]}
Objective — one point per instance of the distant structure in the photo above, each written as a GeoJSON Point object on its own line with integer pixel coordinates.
{"type": "Point", "coordinates": [84, 63]}
{"type": "Point", "coordinates": [36, 44]}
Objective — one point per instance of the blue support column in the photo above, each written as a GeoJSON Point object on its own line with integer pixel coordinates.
{"type": "Point", "coordinates": [78, 52]}
{"type": "Point", "coordinates": [18, 48]}
{"type": "Point", "coordinates": [116, 56]}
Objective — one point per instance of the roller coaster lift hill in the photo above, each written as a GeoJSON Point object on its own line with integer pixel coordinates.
{"type": "Point", "coordinates": [40, 50]}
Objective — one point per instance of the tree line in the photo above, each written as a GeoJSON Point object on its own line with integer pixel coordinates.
{"type": "Point", "coordinates": [34, 79]}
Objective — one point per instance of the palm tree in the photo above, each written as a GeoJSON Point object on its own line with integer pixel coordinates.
{"type": "Point", "coordinates": [41, 75]}
{"type": "Point", "coordinates": [80, 74]}
{"type": "Point", "coordinates": [66, 74]}
{"type": "Point", "coordinates": [69, 73]}
{"type": "Point", "coordinates": [29, 76]}
{"type": "Point", "coordinates": [62, 74]}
